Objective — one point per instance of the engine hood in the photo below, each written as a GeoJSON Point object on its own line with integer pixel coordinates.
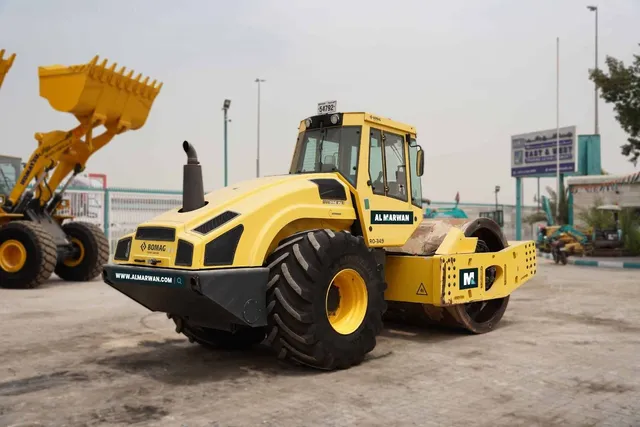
{"type": "Point", "coordinates": [240, 223]}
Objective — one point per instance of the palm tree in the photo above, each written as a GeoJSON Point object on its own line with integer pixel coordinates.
{"type": "Point", "coordinates": [562, 217]}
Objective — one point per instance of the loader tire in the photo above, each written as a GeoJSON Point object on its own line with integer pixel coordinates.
{"type": "Point", "coordinates": [93, 249]}
{"type": "Point", "coordinates": [27, 255]}
{"type": "Point", "coordinates": [241, 339]}
{"type": "Point", "coordinates": [325, 299]}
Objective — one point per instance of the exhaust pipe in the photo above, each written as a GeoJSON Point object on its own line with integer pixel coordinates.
{"type": "Point", "coordinates": [192, 186]}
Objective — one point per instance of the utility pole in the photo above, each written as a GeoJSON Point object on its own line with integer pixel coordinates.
{"type": "Point", "coordinates": [258, 80]}
{"type": "Point", "coordinates": [225, 108]}
{"type": "Point", "coordinates": [595, 9]}
{"type": "Point", "coordinates": [558, 125]}
{"type": "Point", "coordinates": [538, 193]}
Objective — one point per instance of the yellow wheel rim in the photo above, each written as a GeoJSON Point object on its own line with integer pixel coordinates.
{"type": "Point", "coordinates": [13, 256]}
{"type": "Point", "coordinates": [74, 262]}
{"type": "Point", "coordinates": [346, 301]}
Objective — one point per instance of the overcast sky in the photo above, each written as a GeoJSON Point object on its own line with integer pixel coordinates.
{"type": "Point", "coordinates": [467, 74]}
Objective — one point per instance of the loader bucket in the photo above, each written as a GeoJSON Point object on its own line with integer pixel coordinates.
{"type": "Point", "coordinates": [99, 94]}
{"type": "Point", "coordinates": [5, 65]}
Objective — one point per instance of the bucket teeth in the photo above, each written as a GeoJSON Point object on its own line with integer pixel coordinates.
{"type": "Point", "coordinates": [99, 93]}
{"type": "Point", "coordinates": [119, 79]}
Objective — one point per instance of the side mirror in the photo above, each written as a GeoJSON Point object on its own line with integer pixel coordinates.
{"type": "Point", "coordinates": [420, 161]}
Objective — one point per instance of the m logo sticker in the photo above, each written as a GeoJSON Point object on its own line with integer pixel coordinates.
{"type": "Point", "coordinates": [468, 278]}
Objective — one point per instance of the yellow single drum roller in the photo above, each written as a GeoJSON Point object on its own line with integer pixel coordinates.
{"type": "Point", "coordinates": [5, 64]}
{"type": "Point", "coordinates": [99, 94]}
{"type": "Point", "coordinates": [310, 262]}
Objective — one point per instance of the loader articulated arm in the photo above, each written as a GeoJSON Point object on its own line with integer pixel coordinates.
{"type": "Point", "coordinates": [5, 65]}
{"type": "Point", "coordinates": [96, 96]}
{"type": "Point", "coordinates": [58, 154]}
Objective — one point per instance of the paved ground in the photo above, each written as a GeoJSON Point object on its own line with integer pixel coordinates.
{"type": "Point", "coordinates": [566, 354]}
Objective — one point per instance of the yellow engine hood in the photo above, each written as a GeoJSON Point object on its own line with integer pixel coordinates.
{"type": "Point", "coordinates": [262, 211]}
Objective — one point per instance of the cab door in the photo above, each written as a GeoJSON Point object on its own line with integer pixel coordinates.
{"type": "Point", "coordinates": [385, 207]}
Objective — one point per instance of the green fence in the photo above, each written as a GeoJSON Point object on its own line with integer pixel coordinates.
{"type": "Point", "coordinates": [119, 210]}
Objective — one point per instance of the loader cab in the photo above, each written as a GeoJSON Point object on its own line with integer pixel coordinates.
{"type": "Point", "coordinates": [379, 160]}
{"type": "Point", "coordinates": [10, 168]}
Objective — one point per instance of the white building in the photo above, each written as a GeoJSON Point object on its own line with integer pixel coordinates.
{"type": "Point", "coordinates": [620, 190]}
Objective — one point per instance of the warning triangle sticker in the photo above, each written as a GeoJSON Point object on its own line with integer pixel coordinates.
{"type": "Point", "coordinates": [421, 290]}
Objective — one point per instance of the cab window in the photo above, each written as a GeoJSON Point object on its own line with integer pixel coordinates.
{"type": "Point", "coordinates": [9, 172]}
{"type": "Point", "coordinates": [333, 149]}
{"type": "Point", "coordinates": [309, 156]}
{"type": "Point", "coordinates": [375, 162]}
{"type": "Point", "coordinates": [396, 166]}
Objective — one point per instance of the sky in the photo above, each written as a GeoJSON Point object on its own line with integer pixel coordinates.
{"type": "Point", "coordinates": [467, 74]}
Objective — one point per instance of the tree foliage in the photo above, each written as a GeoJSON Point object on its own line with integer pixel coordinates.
{"type": "Point", "coordinates": [535, 217]}
{"type": "Point", "coordinates": [630, 227]}
{"type": "Point", "coordinates": [562, 217]}
{"type": "Point", "coordinates": [621, 87]}
{"type": "Point", "coordinates": [597, 218]}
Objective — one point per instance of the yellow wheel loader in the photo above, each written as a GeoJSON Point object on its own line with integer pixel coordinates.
{"type": "Point", "coordinates": [311, 262]}
{"type": "Point", "coordinates": [35, 240]}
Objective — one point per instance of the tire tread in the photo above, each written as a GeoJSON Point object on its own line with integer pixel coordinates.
{"type": "Point", "coordinates": [292, 334]}
{"type": "Point", "coordinates": [48, 253]}
{"type": "Point", "coordinates": [99, 244]}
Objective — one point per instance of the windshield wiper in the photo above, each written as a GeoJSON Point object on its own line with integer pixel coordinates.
{"type": "Point", "coordinates": [324, 132]}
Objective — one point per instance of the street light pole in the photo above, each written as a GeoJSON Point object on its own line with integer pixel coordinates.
{"type": "Point", "coordinates": [558, 125]}
{"type": "Point", "coordinates": [595, 9]}
{"type": "Point", "coordinates": [538, 193]}
{"type": "Point", "coordinates": [258, 80]}
{"type": "Point", "coordinates": [225, 108]}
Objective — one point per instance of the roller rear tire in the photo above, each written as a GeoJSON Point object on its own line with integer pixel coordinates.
{"type": "Point", "coordinates": [325, 299]}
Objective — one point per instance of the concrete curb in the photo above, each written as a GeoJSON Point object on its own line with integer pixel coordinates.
{"type": "Point", "coordinates": [592, 263]}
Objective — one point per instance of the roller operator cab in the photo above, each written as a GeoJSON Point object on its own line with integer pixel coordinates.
{"type": "Point", "coordinates": [309, 262]}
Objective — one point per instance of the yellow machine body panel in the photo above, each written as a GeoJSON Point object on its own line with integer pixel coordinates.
{"type": "Point", "coordinates": [456, 274]}
{"type": "Point", "coordinates": [268, 209]}
{"type": "Point", "coordinates": [5, 64]}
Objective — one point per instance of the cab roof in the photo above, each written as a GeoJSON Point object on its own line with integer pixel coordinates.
{"type": "Point", "coordinates": [363, 116]}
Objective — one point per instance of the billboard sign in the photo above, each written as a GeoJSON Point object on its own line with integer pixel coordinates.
{"type": "Point", "coordinates": [534, 153]}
